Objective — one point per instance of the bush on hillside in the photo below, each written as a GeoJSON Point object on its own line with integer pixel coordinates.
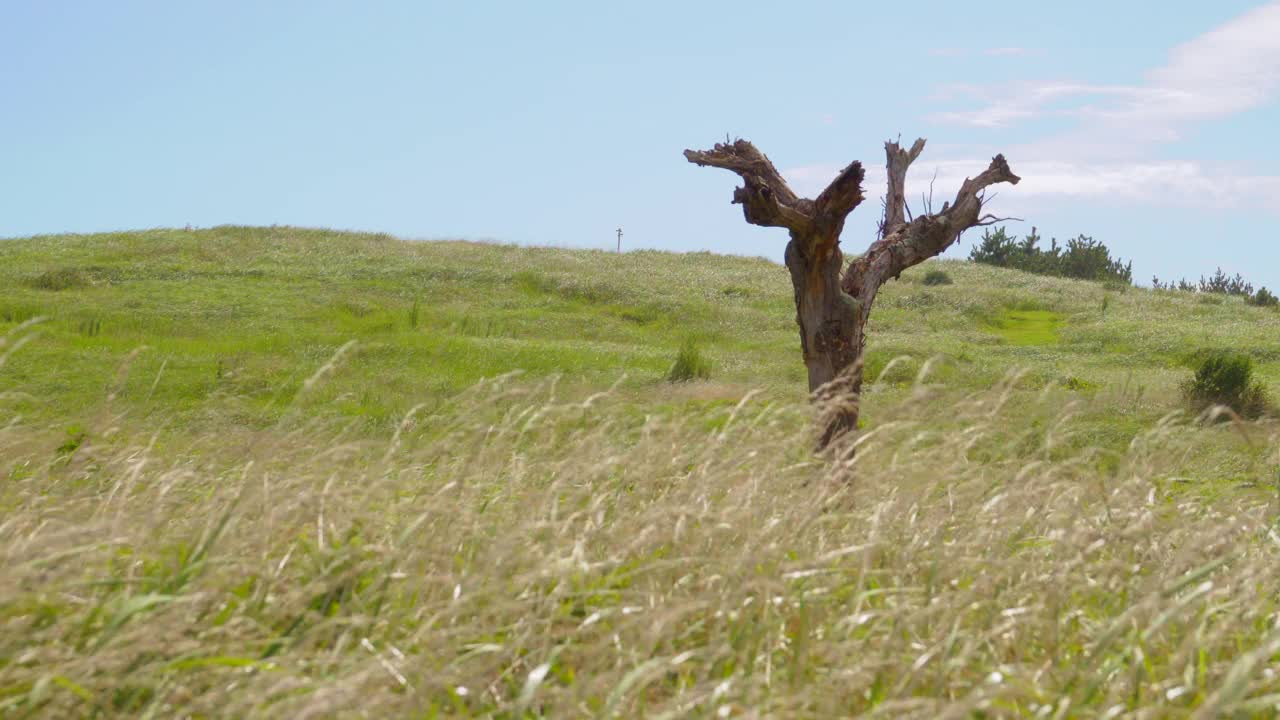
{"type": "Point", "coordinates": [1263, 298]}
{"type": "Point", "coordinates": [59, 279]}
{"type": "Point", "coordinates": [1226, 378]}
{"type": "Point", "coordinates": [689, 365]}
{"type": "Point", "coordinates": [1219, 283]}
{"type": "Point", "coordinates": [936, 277]}
{"type": "Point", "coordinates": [1182, 285]}
{"type": "Point", "coordinates": [1083, 257]}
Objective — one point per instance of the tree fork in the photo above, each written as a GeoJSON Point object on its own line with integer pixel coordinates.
{"type": "Point", "coordinates": [831, 309]}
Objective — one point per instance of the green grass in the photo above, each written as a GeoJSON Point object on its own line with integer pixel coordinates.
{"type": "Point", "coordinates": [235, 316]}
{"type": "Point", "coordinates": [275, 472]}
{"type": "Point", "coordinates": [1029, 327]}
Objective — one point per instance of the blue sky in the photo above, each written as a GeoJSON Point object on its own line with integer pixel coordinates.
{"type": "Point", "coordinates": [1148, 125]}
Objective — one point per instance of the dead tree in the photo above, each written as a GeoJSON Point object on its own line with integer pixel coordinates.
{"type": "Point", "coordinates": [832, 308]}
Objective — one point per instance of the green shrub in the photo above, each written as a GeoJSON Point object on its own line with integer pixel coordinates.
{"type": "Point", "coordinates": [1082, 257]}
{"type": "Point", "coordinates": [1221, 284]}
{"type": "Point", "coordinates": [1075, 384]}
{"type": "Point", "coordinates": [936, 277]}
{"type": "Point", "coordinates": [1226, 378]}
{"type": "Point", "coordinates": [1263, 298]}
{"type": "Point", "coordinates": [76, 436]}
{"type": "Point", "coordinates": [59, 279]}
{"type": "Point", "coordinates": [414, 314]}
{"type": "Point", "coordinates": [689, 365]}
{"type": "Point", "coordinates": [1218, 283]}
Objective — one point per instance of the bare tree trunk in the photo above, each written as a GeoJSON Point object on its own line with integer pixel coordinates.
{"type": "Point", "coordinates": [832, 310]}
{"type": "Point", "coordinates": [831, 335]}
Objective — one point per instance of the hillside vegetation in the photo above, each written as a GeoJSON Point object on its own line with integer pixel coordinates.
{"type": "Point", "coordinates": [273, 472]}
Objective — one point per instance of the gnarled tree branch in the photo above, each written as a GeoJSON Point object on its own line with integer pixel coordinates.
{"type": "Point", "coordinates": [843, 194]}
{"type": "Point", "coordinates": [767, 200]}
{"type": "Point", "coordinates": [765, 197]}
{"type": "Point", "coordinates": [924, 237]}
{"type": "Point", "coordinates": [897, 161]}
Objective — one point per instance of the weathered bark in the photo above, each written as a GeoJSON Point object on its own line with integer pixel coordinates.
{"type": "Point", "coordinates": [830, 333]}
{"type": "Point", "coordinates": [832, 310]}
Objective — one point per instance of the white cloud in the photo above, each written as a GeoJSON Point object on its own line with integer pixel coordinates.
{"type": "Point", "coordinates": [1167, 183]}
{"type": "Point", "coordinates": [1024, 101]}
{"type": "Point", "coordinates": [1228, 70]}
{"type": "Point", "coordinates": [1160, 182]}
{"type": "Point", "coordinates": [1225, 71]}
{"type": "Point", "coordinates": [1111, 153]}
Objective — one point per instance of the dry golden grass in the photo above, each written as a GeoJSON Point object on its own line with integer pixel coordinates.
{"type": "Point", "coordinates": [516, 553]}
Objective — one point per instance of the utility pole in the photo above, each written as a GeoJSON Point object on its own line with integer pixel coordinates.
{"type": "Point", "coordinates": [619, 240]}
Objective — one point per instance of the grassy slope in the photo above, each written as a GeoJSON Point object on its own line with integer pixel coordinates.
{"type": "Point", "coordinates": [265, 305]}
{"type": "Point", "coordinates": [550, 512]}
{"type": "Point", "coordinates": [233, 321]}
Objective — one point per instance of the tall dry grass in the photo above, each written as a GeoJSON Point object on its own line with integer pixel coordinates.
{"type": "Point", "coordinates": [514, 553]}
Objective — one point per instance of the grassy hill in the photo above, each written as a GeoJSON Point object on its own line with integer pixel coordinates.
{"type": "Point", "coordinates": [274, 471]}
{"type": "Point", "coordinates": [248, 313]}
